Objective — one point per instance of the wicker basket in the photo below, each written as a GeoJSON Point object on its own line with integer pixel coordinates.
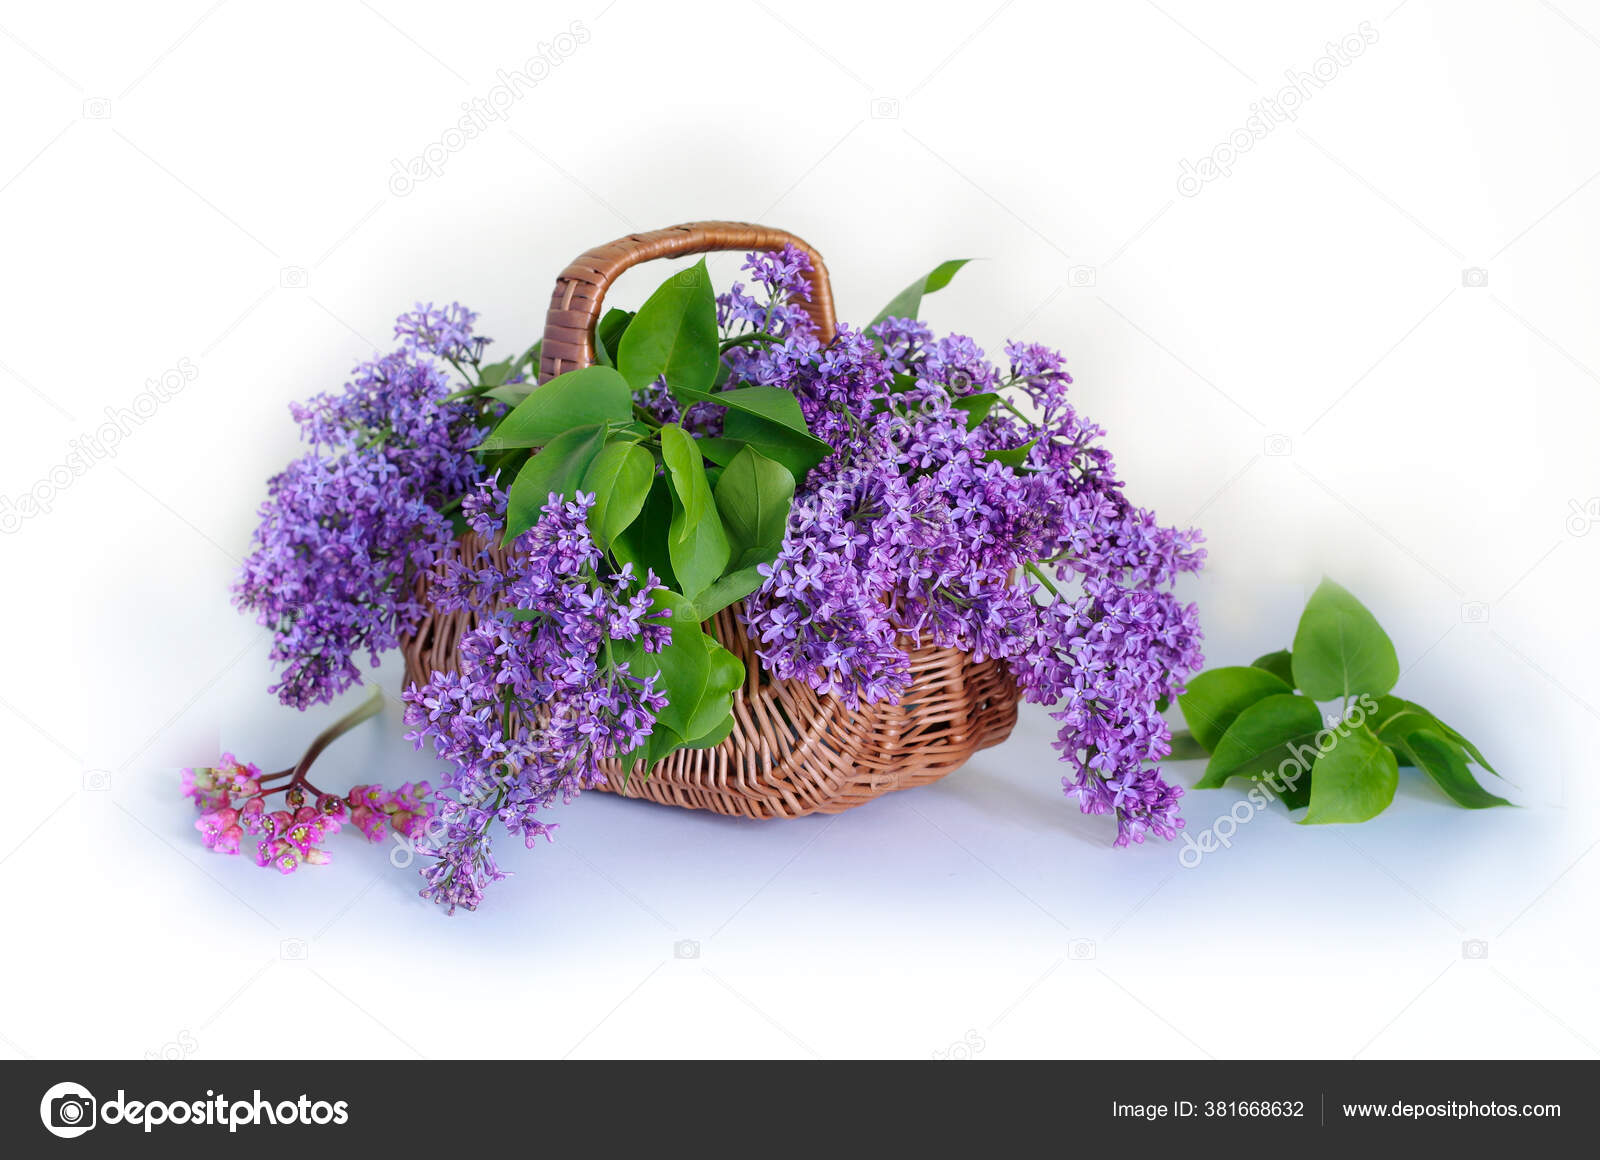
{"type": "Point", "coordinates": [792, 751]}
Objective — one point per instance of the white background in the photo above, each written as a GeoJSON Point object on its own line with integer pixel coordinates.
{"type": "Point", "coordinates": [235, 209]}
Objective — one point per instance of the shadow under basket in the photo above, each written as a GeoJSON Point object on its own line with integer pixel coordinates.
{"type": "Point", "coordinates": [792, 751]}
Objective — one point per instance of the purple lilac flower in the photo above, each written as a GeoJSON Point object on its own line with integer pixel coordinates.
{"type": "Point", "coordinates": [346, 527]}
{"type": "Point", "coordinates": [782, 278]}
{"type": "Point", "coordinates": [536, 703]}
{"type": "Point", "coordinates": [444, 331]}
{"type": "Point", "coordinates": [908, 535]}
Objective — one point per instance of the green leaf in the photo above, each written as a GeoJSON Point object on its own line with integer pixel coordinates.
{"type": "Point", "coordinates": [620, 478]}
{"type": "Point", "coordinates": [725, 674]}
{"type": "Point", "coordinates": [1468, 746]}
{"type": "Point", "coordinates": [908, 302]}
{"type": "Point", "coordinates": [1011, 456]}
{"type": "Point", "coordinates": [610, 330]}
{"type": "Point", "coordinates": [753, 496]}
{"type": "Point", "coordinates": [698, 561]}
{"type": "Point", "coordinates": [1273, 743]}
{"type": "Point", "coordinates": [767, 418]}
{"type": "Point", "coordinates": [796, 450]}
{"type": "Point", "coordinates": [1339, 648]}
{"type": "Point", "coordinates": [1353, 780]}
{"type": "Point", "coordinates": [495, 374]}
{"type": "Point", "coordinates": [1278, 664]}
{"type": "Point", "coordinates": [720, 450]}
{"type": "Point", "coordinates": [1395, 717]}
{"type": "Point", "coordinates": [714, 736]}
{"type": "Point", "coordinates": [725, 590]}
{"type": "Point", "coordinates": [1398, 717]}
{"type": "Point", "coordinates": [642, 753]}
{"type": "Point", "coordinates": [1444, 761]}
{"type": "Point", "coordinates": [674, 334]}
{"type": "Point", "coordinates": [681, 454]}
{"type": "Point", "coordinates": [575, 399]}
{"type": "Point", "coordinates": [511, 395]}
{"type": "Point", "coordinates": [608, 334]}
{"type": "Point", "coordinates": [697, 675]}
{"type": "Point", "coordinates": [559, 468]}
{"type": "Point", "coordinates": [771, 403]}
{"type": "Point", "coordinates": [1185, 747]}
{"type": "Point", "coordinates": [976, 406]}
{"type": "Point", "coordinates": [644, 542]}
{"type": "Point", "coordinates": [663, 741]}
{"type": "Point", "coordinates": [1419, 738]}
{"type": "Point", "coordinates": [1216, 697]}
{"type": "Point", "coordinates": [696, 540]}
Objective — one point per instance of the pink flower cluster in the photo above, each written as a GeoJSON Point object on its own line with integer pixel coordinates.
{"type": "Point", "coordinates": [213, 788]}
{"type": "Point", "coordinates": [233, 804]}
{"type": "Point", "coordinates": [406, 810]}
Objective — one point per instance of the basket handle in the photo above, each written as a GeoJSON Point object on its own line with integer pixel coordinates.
{"type": "Point", "coordinates": [580, 291]}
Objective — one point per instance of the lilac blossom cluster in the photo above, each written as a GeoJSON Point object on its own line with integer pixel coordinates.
{"type": "Point", "coordinates": [538, 702]}
{"type": "Point", "coordinates": [950, 518]}
{"type": "Point", "coordinates": [837, 384]}
{"type": "Point", "coordinates": [346, 528]}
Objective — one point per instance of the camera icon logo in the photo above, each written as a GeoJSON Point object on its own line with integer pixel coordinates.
{"type": "Point", "coordinates": [1582, 516]}
{"type": "Point", "coordinates": [686, 948]}
{"type": "Point", "coordinates": [294, 278]}
{"type": "Point", "coordinates": [1082, 276]}
{"type": "Point", "coordinates": [67, 1110]}
{"type": "Point", "coordinates": [1474, 612]}
{"type": "Point", "coordinates": [97, 780]}
{"type": "Point", "coordinates": [885, 108]}
{"type": "Point", "coordinates": [1081, 949]}
{"type": "Point", "coordinates": [97, 109]}
{"type": "Point", "coordinates": [1475, 277]}
{"type": "Point", "coordinates": [1277, 445]}
{"type": "Point", "coordinates": [293, 949]}
{"type": "Point", "coordinates": [1474, 948]}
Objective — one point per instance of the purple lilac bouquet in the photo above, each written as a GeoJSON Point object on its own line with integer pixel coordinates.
{"type": "Point", "coordinates": [347, 527]}
{"type": "Point", "coordinates": [948, 515]}
{"type": "Point", "coordinates": [852, 500]}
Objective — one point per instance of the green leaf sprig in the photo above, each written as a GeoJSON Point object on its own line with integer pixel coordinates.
{"type": "Point", "coordinates": [1262, 722]}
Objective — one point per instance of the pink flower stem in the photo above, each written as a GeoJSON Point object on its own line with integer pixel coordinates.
{"type": "Point", "coordinates": [297, 772]}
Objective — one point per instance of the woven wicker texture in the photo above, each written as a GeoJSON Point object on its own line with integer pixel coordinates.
{"type": "Point", "coordinates": [792, 751]}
